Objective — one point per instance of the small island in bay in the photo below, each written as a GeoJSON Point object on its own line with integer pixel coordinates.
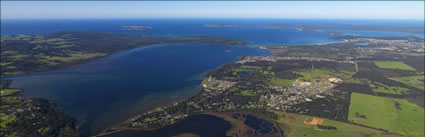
{"type": "Point", "coordinates": [222, 26]}
{"type": "Point", "coordinates": [137, 28]}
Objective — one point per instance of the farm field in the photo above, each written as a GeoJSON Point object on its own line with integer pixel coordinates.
{"type": "Point", "coordinates": [394, 115]}
{"type": "Point", "coordinates": [415, 81]}
{"type": "Point", "coordinates": [250, 67]}
{"type": "Point", "coordinates": [282, 82]}
{"type": "Point", "coordinates": [382, 88]}
{"type": "Point", "coordinates": [321, 73]}
{"type": "Point", "coordinates": [296, 125]}
{"type": "Point", "coordinates": [393, 65]}
{"type": "Point", "coordinates": [357, 81]}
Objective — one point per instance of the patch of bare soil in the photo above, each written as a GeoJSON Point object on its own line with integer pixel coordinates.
{"type": "Point", "coordinates": [314, 121]}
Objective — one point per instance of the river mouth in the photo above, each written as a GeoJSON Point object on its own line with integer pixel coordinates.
{"type": "Point", "coordinates": [107, 91]}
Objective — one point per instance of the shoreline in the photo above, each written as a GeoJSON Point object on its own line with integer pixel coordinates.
{"type": "Point", "coordinates": [116, 127]}
{"type": "Point", "coordinates": [71, 66]}
{"type": "Point", "coordinates": [283, 45]}
{"type": "Point", "coordinates": [91, 60]}
{"type": "Point", "coordinates": [163, 104]}
{"type": "Point", "coordinates": [84, 50]}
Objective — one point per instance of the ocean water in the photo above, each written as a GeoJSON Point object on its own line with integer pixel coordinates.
{"type": "Point", "coordinates": [106, 91]}
{"type": "Point", "coordinates": [194, 27]}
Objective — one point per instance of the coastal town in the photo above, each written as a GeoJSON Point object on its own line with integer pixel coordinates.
{"type": "Point", "coordinates": [393, 45]}
{"type": "Point", "coordinates": [279, 58]}
{"type": "Point", "coordinates": [221, 93]}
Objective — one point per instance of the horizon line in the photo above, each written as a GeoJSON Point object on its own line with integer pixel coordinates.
{"type": "Point", "coordinates": [412, 19]}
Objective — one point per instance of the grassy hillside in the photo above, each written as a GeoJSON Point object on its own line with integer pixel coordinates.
{"type": "Point", "coordinates": [394, 115]}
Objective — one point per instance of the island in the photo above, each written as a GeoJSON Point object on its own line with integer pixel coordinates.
{"type": "Point", "coordinates": [136, 28]}
{"type": "Point", "coordinates": [222, 26]}
{"type": "Point", "coordinates": [330, 28]}
{"type": "Point", "coordinates": [304, 90]}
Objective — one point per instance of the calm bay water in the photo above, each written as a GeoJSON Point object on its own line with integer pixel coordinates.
{"type": "Point", "coordinates": [109, 90]}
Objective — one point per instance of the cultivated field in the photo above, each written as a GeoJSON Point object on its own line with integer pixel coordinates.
{"type": "Point", "coordinates": [321, 73]}
{"type": "Point", "coordinates": [393, 65]}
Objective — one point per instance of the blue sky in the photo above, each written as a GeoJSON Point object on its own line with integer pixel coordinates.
{"type": "Point", "coordinates": [213, 9]}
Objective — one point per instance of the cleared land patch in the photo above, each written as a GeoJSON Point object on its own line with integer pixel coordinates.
{"type": "Point", "coordinates": [394, 115]}
{"type": "Point", "coordinates": [393, 65]}
{"type": "Point", "coordinates": [314, 121]}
